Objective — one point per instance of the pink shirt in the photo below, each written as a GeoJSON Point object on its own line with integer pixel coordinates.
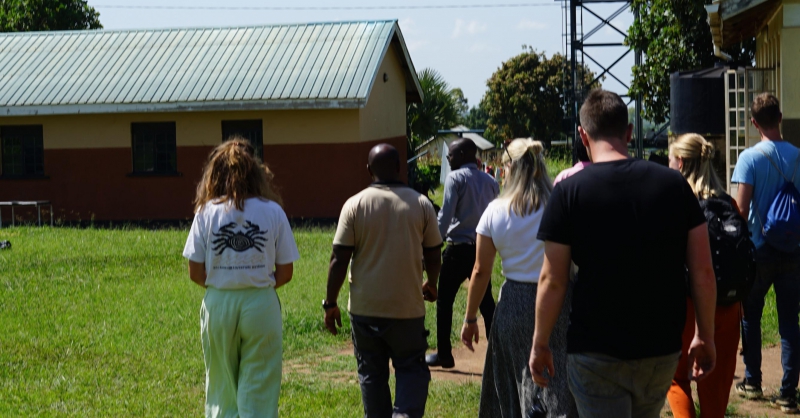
{"type": "Point", "coordinates": [580, 165]}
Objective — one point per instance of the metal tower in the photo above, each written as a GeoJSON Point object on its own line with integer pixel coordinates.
{"type": "Point", "coordinates": [578, 48]}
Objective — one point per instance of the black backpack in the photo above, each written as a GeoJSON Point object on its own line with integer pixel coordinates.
{"type": "Point", "coordinates": [732, 252]}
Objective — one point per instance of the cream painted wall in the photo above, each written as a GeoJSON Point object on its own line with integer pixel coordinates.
{"type": "Point", "coordinates": [195, 128]}
{"type": "Point", "coordinates": [790, 80]}
{"type": "Point", "coordinates": [384, 116]}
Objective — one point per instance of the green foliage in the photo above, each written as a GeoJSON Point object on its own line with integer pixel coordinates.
{"type": "Point", "coordinates": [43, 15]}
{"type": "Point", "coordinates": [439, 109]}
{"type": "Point", "coordinates": [526, 97]}
{"type": "Point", "coordinates": [477, 117]}
{"type": "Point", "coordinates": [427, 177]}
{"type": "Point", "coordinates": [674, 36]}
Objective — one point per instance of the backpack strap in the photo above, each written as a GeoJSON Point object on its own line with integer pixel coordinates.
{"type": "Point", "coordinates": [796, 162]}
{"type": "Point", "coordinates": [777, 168]}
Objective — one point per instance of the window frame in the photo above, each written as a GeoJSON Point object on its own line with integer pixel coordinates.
{"type": "Point", "coordinates": [35, 133]}
{"type": "Point", "coordinates": [160, 165]}
{"type": "Point", "coordinates": [242, 127]}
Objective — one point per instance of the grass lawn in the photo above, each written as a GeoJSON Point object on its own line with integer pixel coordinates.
{"type": "Point", "coordinates": [106, 323]}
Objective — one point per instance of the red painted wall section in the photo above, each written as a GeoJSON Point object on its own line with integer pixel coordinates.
{"type": "Point", "coordinates": [84, 184]}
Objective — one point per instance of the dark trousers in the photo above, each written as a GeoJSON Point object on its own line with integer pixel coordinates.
{"type": "Point", "coordinates": [457, 264]}
{"type": "Point", "coordinates": [375, 341]}
{"type": "Point", "coordinates": [782, 270]}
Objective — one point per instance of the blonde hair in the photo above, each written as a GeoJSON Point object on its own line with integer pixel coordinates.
{"type": "Point", "coordinates": [698, 170]}
{"type": "Point", "coordinates": [527, 185]}
{"type": "Point", "coordinates": [234, 173]}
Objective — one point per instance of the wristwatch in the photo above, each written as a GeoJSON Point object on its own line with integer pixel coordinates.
{"type": "Point", "coordinates": [471, 321]}
{"type": "Point", "coordinates": [327, 305]}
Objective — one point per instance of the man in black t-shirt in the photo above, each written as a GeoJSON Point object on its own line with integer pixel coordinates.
{"type": "Point", "coordinates": [632, 227]}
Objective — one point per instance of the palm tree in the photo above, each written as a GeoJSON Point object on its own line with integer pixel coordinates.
{"type": "Point", "coordinates": [439, 109]}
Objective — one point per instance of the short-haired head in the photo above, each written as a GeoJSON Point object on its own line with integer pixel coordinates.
{"type": "Point", "coordinates": [384, 162]}
{"type": "Point", "coordinates": [766, 111]}
{"type": "Point", "coordinates": [462, 151]}
{"type": "Point", "coordinates": [604, 115]}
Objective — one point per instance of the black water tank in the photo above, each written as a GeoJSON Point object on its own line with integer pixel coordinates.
{"type": "Point", "coordinates": [697, 101]}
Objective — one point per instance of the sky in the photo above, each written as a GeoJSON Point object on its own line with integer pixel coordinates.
{"type": "Point", "coordinates": [464, 45]}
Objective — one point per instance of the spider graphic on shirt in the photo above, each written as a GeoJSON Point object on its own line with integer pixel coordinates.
{"type": "Point", "coordinates": [239, 241]}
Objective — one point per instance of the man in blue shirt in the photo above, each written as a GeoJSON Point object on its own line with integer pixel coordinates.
{"type": "Point", "coordinates": [467, 193]}
{"type": "Point", "coordinates": [760, 172]}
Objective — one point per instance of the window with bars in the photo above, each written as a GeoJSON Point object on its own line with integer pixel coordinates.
{"type": "Point", "coordinates": [153, 146]}
{"type": "Point", "coordinates": [248, 129]}
{"type": "Point", "coordinates": [22, 148]}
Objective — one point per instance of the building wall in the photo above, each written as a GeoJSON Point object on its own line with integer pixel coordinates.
{"type": "Point", "coordinates": [790, 80]}
{"type": "Point", "coordinates": [384, 116]}
{"type": "Point", "coordinates": [319, 157]}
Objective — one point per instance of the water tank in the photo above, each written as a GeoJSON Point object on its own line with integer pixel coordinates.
{"type": "Point", "coordinates": [697, 101]}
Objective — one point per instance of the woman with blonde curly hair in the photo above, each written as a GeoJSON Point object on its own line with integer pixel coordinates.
{"type": "Point", "coordinates": [240, 248]}
{"type": "Point", "coordinates": [508, 227]}
{"type": "Point", "coordinates": [692, 155]}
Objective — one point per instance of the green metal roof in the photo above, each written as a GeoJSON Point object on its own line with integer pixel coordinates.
{"type": "Point", "coordinates": [316, 65]}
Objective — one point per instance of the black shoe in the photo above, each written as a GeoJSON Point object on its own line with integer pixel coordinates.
{"type": "Point", "coordinates": [787, 404]}
{"type": "Point", "coordinates": [434, 360]}
{"type": "Point", "coordinates": [748, 390]}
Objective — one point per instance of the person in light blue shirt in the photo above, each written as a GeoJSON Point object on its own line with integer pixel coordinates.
{"type": "Point", "coordinates": [761, 172]}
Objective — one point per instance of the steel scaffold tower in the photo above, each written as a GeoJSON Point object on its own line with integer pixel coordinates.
{"type": "Point", "coordinates": [575, 52]}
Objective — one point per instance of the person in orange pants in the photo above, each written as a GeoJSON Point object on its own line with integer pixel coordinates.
{"type": "Point", "coordinates": [691, 154]}
{"type": "Point", "coordinates": [714, 390]}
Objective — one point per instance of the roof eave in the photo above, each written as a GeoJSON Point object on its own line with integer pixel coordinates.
{"type": "Point", "coordinates": [239, 105]}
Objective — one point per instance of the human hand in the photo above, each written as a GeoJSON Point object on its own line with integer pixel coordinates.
{"type": "Point", "coordinates": [333, 318]}
{"type": "Point", "coordinates": [541, 360]}
{"type": "Point", "coordinates": [429, 292]}
{"type": "Point", "coordinates": [702, 357]}
{"type": "Point", "coordinates": [468, 333]}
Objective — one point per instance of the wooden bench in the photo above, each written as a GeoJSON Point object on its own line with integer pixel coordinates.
{"type": "Point", "coordinates": [37, 203]}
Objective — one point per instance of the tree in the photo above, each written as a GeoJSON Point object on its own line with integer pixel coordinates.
{"type": "Point", "coordinates": [477, 117]}
{"type": "Point", "coordinates": [43, 15]}
{"type": "Point", "coordinates": [438, 110]}
{"type": "Point", "coordinates": [674, 36]}
{"type": "Point", "coordinates": [526, 96]}
{"type": "Point", "coordinates": [461, 102]}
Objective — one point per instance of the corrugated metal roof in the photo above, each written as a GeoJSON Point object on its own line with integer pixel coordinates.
{"type": "Point", "coordinates": [315, 65]}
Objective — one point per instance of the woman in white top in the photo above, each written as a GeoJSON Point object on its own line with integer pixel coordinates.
{"type": "Point", "coordinates": [509, 226]}
{"type": "Point", "coordinates": [240, 248]}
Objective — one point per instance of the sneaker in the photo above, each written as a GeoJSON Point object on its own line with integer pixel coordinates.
{"type": "Point", "coordinates": [787, 404]}
{"type": "Point", "coordinates": [748, 390]}
{"type": "Point", "coordinates": [435, 360]}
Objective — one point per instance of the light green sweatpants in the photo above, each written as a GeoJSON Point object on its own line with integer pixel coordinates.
{"type": "Point", "coordinates": [242, 335]}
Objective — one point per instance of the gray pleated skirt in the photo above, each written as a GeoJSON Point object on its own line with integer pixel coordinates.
{"type": "Point", "coordinates": [507, 389]}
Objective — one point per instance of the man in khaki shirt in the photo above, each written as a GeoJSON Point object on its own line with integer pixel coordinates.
{"type": "Point", "coordinates": [387, 229]}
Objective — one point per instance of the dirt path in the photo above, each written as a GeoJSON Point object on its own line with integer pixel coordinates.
{"type": "Point", "coordinates": [469, 365]}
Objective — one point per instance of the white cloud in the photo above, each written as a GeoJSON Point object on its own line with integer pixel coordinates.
{"type": "Point", "coordinates": [479, 47]}
{"type": "Point", "coordinates": [408, 26]}
{"type": "Point", "coordinates": [416, 45]}
{"type": "Point", "coordinates": [472, 27]}
{"type": "Point", "coordinates": [526, 24]}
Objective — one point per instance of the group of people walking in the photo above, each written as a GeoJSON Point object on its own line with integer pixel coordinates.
{"type": "Point", "coordinates": [612, 299]}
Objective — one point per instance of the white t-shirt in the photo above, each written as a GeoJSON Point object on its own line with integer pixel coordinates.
{"type": "Point", "coordinates": [514, 237]}
{"type": "Point", "coordinates": [241, 248]}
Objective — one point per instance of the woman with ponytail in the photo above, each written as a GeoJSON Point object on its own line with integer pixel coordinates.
{"type": "Point", "coordinates": [240, 249]}
{"type": "Point", "coordinates": [508, 227]}
{"type": "Point", "coordinates": [691, 154]}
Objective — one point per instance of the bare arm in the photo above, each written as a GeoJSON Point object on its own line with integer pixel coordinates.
{"type": "Point", "coordinates": [433, 266]}
{"type": "Point", "coordinates": [703, 287]}
{"type": "Point", "coordinates": [743, 198]}
{"type": "Point", "coordinates": [283, 274]}
{"type": "Point", "coordinates": [197, 272]}
{"type": "Point", "coordinates": [478, 286]}
{"type": "Point", "coordinates": [337, 272]}
{"type": "Point", "coordinates": [553, 282]}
